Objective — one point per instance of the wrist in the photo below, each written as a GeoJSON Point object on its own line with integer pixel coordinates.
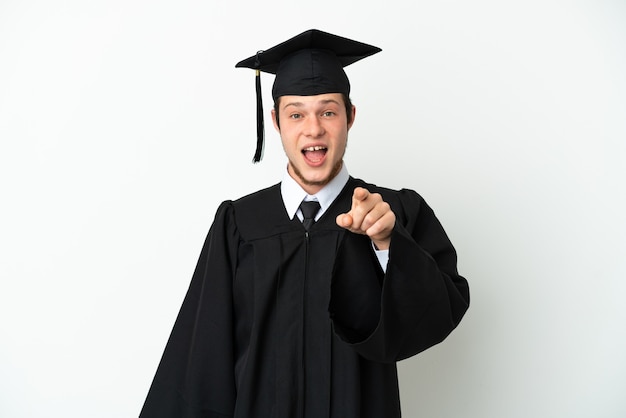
{"type": "Point", "coordinates": [381, 245]}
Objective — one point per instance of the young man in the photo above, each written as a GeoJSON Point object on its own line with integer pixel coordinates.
{"type": "Point", "coordinates": [307, 292]}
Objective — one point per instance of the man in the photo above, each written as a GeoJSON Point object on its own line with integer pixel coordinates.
{"type": "Point", "coordinates": [307, 292]}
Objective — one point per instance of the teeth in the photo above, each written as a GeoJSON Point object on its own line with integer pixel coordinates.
{"type": "Point", "coordinates": [314, 148]}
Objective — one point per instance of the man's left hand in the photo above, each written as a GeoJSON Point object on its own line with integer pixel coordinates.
{"type": "Point", "coordinates": [370, 215]}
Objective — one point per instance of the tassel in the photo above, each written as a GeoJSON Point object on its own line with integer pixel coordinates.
{"type": "Point", "coordinates": [260, 128]}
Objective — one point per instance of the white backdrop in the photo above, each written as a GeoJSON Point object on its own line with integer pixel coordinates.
{"type": "Point", "coordinates": [123, 125]}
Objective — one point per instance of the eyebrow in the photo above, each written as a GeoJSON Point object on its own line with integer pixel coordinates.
{"type": "Point", "coordinates": [321, 102]}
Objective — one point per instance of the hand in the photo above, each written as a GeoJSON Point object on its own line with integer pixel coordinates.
{"type": "Point", "coordinates": [370, 215]}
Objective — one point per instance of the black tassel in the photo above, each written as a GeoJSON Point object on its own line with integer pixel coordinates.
{"type": "Point", "coordinates": [260, 129]}
{"type": "Point", "coordinates": [260, 126]}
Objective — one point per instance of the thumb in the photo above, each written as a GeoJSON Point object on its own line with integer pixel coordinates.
{"type": "Point", "coordinates": [344, 220]}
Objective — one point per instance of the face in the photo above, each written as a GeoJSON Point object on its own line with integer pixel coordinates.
{"type": "Point", "coordinates": [314, 133]}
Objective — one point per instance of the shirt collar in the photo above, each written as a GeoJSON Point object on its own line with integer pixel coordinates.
{"type": "Point", "coordinates": [293, 194]}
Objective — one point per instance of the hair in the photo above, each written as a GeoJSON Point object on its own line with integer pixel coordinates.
{"type": "Point", "coordinates": [346, 101]}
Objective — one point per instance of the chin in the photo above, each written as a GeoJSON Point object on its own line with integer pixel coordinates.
{"type": "Point", "coordinates": [316, 177]}
{"type": "Point", "coordinates": [315, 180]}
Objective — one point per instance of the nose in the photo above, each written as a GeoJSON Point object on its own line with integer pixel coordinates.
{"type": "Point", "coordinates": [314, 127]}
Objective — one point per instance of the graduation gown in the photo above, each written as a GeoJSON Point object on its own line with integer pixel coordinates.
{"type": "Point", "coordinates": [282, 323]}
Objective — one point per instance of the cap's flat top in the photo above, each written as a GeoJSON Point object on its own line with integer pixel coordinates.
{"type": "Point", "coordinates": [347, 50]}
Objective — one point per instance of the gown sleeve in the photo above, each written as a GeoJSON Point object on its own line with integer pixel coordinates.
{"type": "Point", "coordinates": [195, 377]}
{"type": "Point", "coordinates": [389, 316]}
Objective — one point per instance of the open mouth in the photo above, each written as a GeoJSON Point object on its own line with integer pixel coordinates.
{"type": "Point", "coordinates": [314, 154]}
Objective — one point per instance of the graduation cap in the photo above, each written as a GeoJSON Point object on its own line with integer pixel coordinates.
{"type": "Point", "coordinates": [306, 65]}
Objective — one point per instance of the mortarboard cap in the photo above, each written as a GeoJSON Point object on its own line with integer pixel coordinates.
{"type": "Point", "coordinates": [308, 64]}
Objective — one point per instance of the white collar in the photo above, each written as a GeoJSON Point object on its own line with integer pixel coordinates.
{"type": "Point", "coordinates": [293, 194]}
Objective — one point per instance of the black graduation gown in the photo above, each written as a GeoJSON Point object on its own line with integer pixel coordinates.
{"type": "Point", "coordinates": [280, 323]}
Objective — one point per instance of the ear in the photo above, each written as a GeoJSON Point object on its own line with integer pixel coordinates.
{"type": "Point", "coordinates": [353, 116]}
{"type": "Point", "coordinates": [274, 120]}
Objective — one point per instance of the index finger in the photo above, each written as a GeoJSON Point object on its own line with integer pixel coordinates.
{"type": "Point", "coordinates": [360, 194]}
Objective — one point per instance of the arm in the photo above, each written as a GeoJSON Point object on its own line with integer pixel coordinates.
{"type": "Point", "coordinates": [195, 377]}
{"type": "Point", "coordinates": [420, 298]}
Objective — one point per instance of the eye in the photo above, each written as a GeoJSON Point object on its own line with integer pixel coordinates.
{"type": "Point", "coordinates": [328, 113]}
{"type": "Point", "coordinates": [295, 116]}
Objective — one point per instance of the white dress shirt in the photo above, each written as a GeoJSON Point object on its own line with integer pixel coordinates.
{"type": "Point", "coordinates": [293, 195]}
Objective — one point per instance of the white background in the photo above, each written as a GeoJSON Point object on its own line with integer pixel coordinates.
{"type": "Point", "coordinates": [123, 125]}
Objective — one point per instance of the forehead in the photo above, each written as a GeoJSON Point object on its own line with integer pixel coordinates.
{"type": "Point", "coordinates": [316, 100]}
